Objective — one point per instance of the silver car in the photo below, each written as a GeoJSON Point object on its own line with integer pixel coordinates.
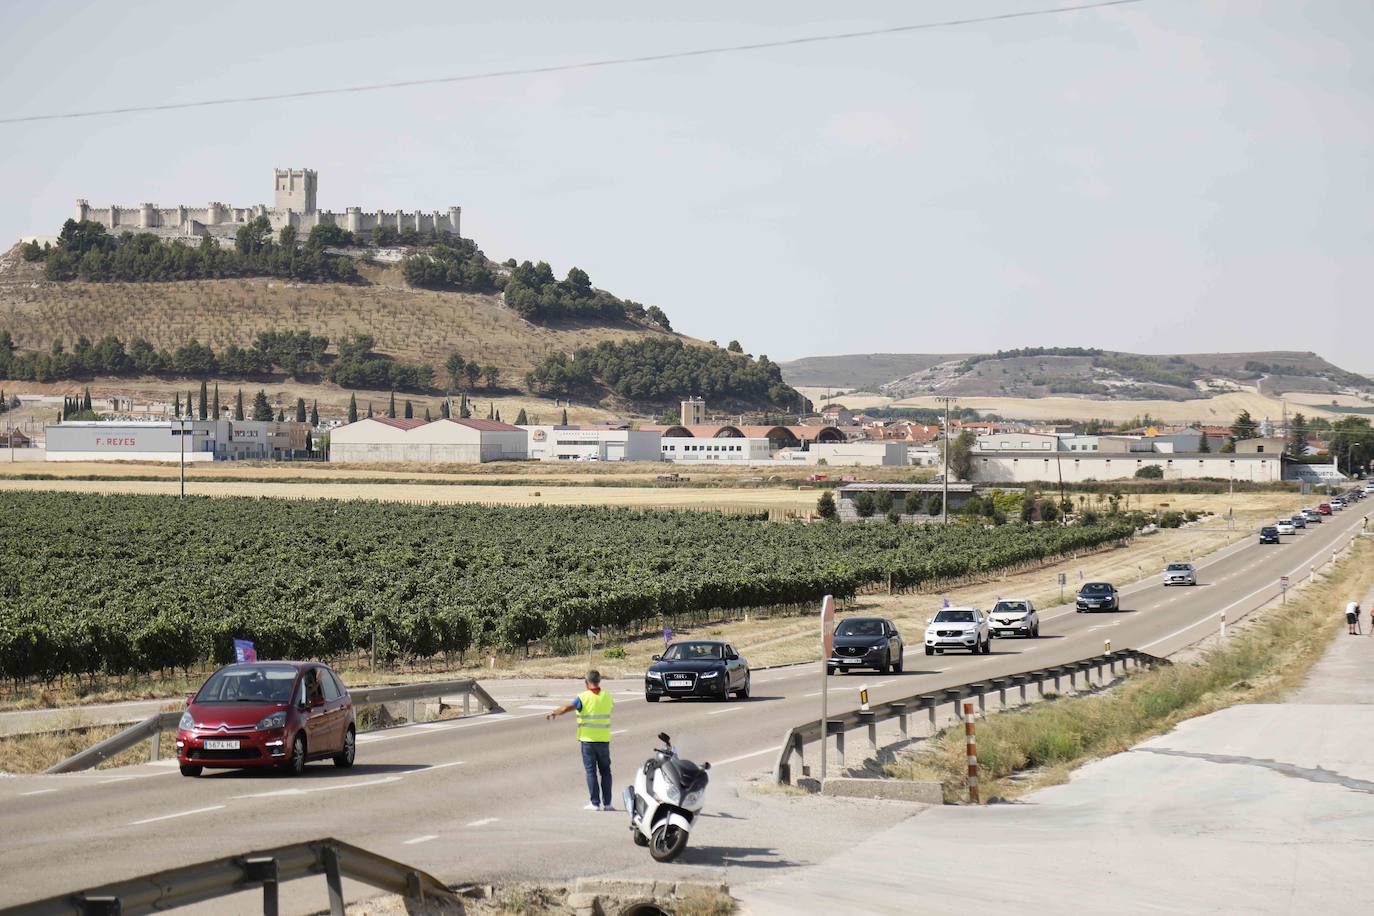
{"type": "Point", "coordinates": [1015, 617]}
{"type": "Point", "coordinates": [1180, 574]}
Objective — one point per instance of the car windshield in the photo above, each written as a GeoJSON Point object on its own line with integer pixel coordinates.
{"type": "Point", "coordinates": [1096, 588]}
{"type": "Point", "coordinates": [249, 684]}
{"type": "Point", "coordinates": [1269, 530]}
{"type": "Point", "coordinates": [1011, 607]}
{"type": "Point", "coordinates": [860, 628]}
{"type": "Point", "coordinates": [954, 617]}
{"type": "Point", "coordinates": [693, 651]}
{"type": "Point", "coordinates": [1178, 567]}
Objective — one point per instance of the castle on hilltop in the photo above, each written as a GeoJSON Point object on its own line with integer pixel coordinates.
{"type": "Point", "coordinates": [295, 206]}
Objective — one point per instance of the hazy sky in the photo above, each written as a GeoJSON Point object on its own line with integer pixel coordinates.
{"type": "Point", "coordinates": [1170, 176]}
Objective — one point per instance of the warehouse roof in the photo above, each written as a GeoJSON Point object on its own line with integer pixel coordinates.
{"type": "Point", "coordinates": [486, 426]}
{"type": "Point", "coordinates": [399, 424]}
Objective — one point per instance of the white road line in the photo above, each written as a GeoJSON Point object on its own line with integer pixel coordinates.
{"type": "Point", "coordinates": [421, 839]}
{"type": "Point", "coordinates": [767, 750]}
{"type": "Point", "coordinates": [483, 822]}
{"type": "Point", "coordinates": [38, 792]}
{"type": "Point", "coordinates": [440, 766]}
{"type": "Point", "coordinates": [619, 731]}
{"type": "Point", "coordinates": [168, 817]}
{"type": "Point", "coordinates": [330, 788]}
{"type": "Point", "coordinates": [722, 712]}
{"type": "Point", "coordinates": [815, 694]}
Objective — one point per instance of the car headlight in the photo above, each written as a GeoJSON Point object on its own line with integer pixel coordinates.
{"type": "Point", "coordinates": [276, 720]}
{"type": "Point", "coordinates": [693, 800]}
{"type": "Point", "coordinates": [654, 675]}
{"type": "Point", "coordinates": [187, 723]}
{"type": "Point", "coordinates": [709, 674]}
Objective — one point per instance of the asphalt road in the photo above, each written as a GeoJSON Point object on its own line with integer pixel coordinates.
{"type": "Point", "coordinates": [500, 796]}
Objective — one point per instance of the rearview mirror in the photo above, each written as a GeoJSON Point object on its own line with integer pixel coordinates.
{"type": "Point", "coordinates": [190, 698]}
{"type": "Point", "coordinates": [657, 658]}
{"type": "Point", "coordinates": [663, 736]}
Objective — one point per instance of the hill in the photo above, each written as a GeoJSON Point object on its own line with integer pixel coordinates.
{"type": "Point", "coordinates": [1043, 372]}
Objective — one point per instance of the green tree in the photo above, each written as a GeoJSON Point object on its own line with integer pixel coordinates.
{"type": "Point", "coordinates": [1244, 426]}
{"type": "Point", "coordinates": [287, 238]}
{"type": "Point", "coordinates": [369, 410]}
{"type": "Point", "coordinates": [961, 456]}
{"type": "Point", "coordinates": [352, 408]}
{"type": "Point", "coordinates": [935, 504]}
{"type": "Point", "coordinates": [825, 505]}
{"type": "Point", "coordinates": [86, 401]}
{"type": "Point", "coordinates": [734, 347]}
{"type": "Point", "coordinates": [262, 409]}
{"type": "Point", "coordinates": [281, 415]}
{"type": "Point", "coordinates": [238, 405]}
{"type": "Point", "coordinates": [491, 375]}
{"type": "Point", "coordinates": [1150, 472]}
{"type": "Point", "coordinates": [176, 406]}
{"type": "Point", "coordinates": [300, 410]}
{"type": "Point", "coordinates": [471, 374]}
{"type": "Point", "coordinates": [565, 416]}
{"type": "Point", "coordinates": [1297, 436]}
{"type": "Point", "coordinates": [457, 368]}
{"type": "Point", "coordinates": [883, 501]}
{"type": "Point", "coordinates": [864, 504]}
{"type": "Point", "coordinates": [445, 412]}
{"type": "Point", "coordinates": [391, 407]}
{"type": "Point", "coordinates": [428, 418]}
{"type": "Point", "coordinates": [657, 316]}
{"type": "Point", "coordinates": [410, 410]}
{"type": "Point", "coordinates": [521, 419]}
{"type": "Point", "coordinates": [216, 404]}
{"type": "Point", "coordinates": [1203, 445]}
{"type": "Point", "coordinates": [315, 413]}
{"type": "Point", "coordinates": [204, 407]}
{"type": "Point", "coordinates": [1352, 443]}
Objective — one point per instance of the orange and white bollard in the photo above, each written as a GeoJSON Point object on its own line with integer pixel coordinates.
{"type": "Point", "coordinates": [971, 746]}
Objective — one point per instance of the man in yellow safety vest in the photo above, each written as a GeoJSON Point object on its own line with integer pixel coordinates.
{"type": "Point", "coordinates": [593, 707]}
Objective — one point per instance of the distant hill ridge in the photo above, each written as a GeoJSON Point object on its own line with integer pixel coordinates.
{"type": "Point", "coordinates": [1036, 372]}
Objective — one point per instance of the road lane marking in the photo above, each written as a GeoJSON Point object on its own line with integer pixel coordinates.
{"type": "Point", "coordinates": [38, 792]}
{"type": "Point", "coordinates": [421, 839]}
{"type": "Point", "coordinates": [545, 708]}
{"type": "Point", "coordinates": [721, 712]}
{"type": "Point", "coordinates": [279, 793]}
{"type": "Point", "coordinates": [767, 750]}
{"type": "Point", "coordinates": [168, 817]}
{"type": "Point", "coordinates": [619, 731]}
{"type": "Point", "coordinates": [440, 766]}
{"type": "Point", "coordinates": [483, 822]}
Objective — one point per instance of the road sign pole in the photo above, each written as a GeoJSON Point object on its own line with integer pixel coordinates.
{"type": "Point", "coordinates": [827, 637]}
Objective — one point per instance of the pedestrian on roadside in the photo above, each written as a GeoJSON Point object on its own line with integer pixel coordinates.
{"type": "Point", "coordinates": [593, 707]}
{"type": "Point", "coordinates": [1352, 618]}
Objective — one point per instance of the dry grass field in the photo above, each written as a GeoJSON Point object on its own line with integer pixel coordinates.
{"type": "Point", "coordinates": [1221, 409]}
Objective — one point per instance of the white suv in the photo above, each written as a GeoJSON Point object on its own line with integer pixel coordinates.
{"type": "Point", "coordinates": [959, 628]}
{"type": "Point", "coordinates": [1015, 617]}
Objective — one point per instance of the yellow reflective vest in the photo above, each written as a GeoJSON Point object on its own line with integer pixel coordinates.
{"type": "Point", "coordinates": [594, 718]}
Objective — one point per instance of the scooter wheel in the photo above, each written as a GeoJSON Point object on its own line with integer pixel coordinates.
{"type": "Point", "coordinates": [640, 839]}
{"type": "Point", "coordinates": [668, 843]}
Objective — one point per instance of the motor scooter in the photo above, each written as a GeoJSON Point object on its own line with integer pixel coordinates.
{"type": "Point", "coordinates": [665, 800]}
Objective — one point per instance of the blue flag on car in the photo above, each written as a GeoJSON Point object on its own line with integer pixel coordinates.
{"type": "Point", "coordinates": [244, 651]}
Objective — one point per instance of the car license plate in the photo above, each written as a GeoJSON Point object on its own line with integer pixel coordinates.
{"type": "Point", "coordinates": [679, 683]}
{"type": "Point", "coordinates": [214, 744]}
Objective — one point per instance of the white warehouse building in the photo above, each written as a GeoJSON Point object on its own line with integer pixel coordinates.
{"type": "Point", "coordinates": [445, 441]}
{"type": "Point", "coordinates": [592, 443]}
{"type": "Point", "coordinates": [737, 449]}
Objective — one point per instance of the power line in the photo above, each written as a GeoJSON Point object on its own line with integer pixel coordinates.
{"type": "Point", "coordinates": [563, 68]}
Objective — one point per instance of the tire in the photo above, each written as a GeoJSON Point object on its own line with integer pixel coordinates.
{"type": "Point", "coordinates": [929, 651]}
{"type": "Point", "coordinates": [344, 758]}
{"type": "Point", "coordinates": [1035, 632]}
{"type": "Point", "coordinates": [886, 666]}
{"type": "Point", "coordinates": [191, 769]}
{"type": "Point", "coordinates": [650, 698]}
{"type": "Point", "coordinates": [640, 839]}
{"type": "Point", "coordinates": [295, 764]}
{"type": "Point", "coordinates": [1078, 610]}
{"type": "Point", "coordinates": [743, 693]}
{"type": "Point", "coordinates": [668, 843]}
{"type": "Point", "coordinates": [901, 657]}
{"type": "Point", "coordinates": [987, 646]}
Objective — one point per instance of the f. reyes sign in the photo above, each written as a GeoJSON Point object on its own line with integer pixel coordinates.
{"type": "Point", "coordinates": [116, 442]}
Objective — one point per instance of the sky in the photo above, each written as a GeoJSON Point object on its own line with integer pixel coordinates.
{"type": "Point", "coordinates": [1167, 176]}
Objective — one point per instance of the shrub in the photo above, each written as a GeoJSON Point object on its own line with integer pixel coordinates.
{"type": "Point", "coordinates": [825, 506]}
{"type": "Point", "coordinates": [1150, 472]}
{"type": "Point", "coordinates": [864, 505]}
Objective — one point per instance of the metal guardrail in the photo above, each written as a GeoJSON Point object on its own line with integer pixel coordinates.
{"type": "Point", "coordinates": [793, 743]}
{"type": "Point", "coordinates": [153, 726]}
{"type": "Point", "coordinates": [267, 869]}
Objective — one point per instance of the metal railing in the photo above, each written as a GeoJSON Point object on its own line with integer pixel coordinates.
{"type": "Point", "coordinates": [153, 726]}
{"type": "Point", "coordinates": [793, 743]}
{"type": "Point", "coordinates": [267, 869]}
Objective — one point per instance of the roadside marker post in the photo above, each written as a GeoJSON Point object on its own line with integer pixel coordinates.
{"type": "Point", "coordinates": [1063, 578]}
{"type": "Point", "coordinates": [827, 646]}
{"type": "Point", "coordinates": [1106, 647]}
{"type": "Point", "coordinates": [863, 698]}
{"type": "Point", "coordinates": [971, 746]}
{"type": "Point", "coordinates": [1283, 584]}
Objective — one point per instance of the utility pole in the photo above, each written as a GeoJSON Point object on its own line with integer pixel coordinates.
{"type": "Point", "coordinates": [944, 478]}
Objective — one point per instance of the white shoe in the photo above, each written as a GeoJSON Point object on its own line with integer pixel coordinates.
{"type": "Point", "coordinates": [591, 807]}
{"type": "Point", "coordinates": [608, 807]}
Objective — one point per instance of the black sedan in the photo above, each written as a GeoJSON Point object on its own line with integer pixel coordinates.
{"type": "Point", "coordinates": [1097, 596]}
{"type": "Point", "coordinates": [866, 642]}
{"type": "Point", "coordinates": [697, 669]}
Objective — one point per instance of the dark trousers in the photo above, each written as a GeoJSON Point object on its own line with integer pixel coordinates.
{"type": "Point", "coordinates": [596, 759]}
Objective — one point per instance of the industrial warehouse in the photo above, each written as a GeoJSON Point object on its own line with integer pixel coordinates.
{"type": "Point", "coordinates": [176, 440]}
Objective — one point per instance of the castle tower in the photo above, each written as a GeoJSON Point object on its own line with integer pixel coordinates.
{"type": "Point", "coordinates": [83, 210]}
{"type": "Point", "coordinates": [295, 189]}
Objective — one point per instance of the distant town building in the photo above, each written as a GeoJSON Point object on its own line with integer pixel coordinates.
{"type": "Point", "coordinates": [693, 412]}
{"type": "Point", "coordinates": [592, 443]}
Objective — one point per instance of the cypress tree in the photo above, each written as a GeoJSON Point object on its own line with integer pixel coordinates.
{"type": "Point", "coordinates": [410, 411]}
{"type": "Point", "coordinates": [352, 408]}
{"type": "Point", "coordinates": [521, 419]}
{"type": "Point", "coordinates": [238, 405]}
{"type": "Point", "coordinates": [315, 413]}
{"type": "Point", "coordinates": [428, 418]}
{"type": "Point", "coordinates": [262, 408]}
{"type": "Point", "coordinates": [565, 416]}
{"type": "Point", "coordinates": [498, 416]}
{"type": "Point", "coordinates": [86, 401]}
{"type": "Point", "coordinates": [217, 411]}
{"type": "Point", "coordinates": [176, 405]}
{"type": "Point", "coordinates": [369, 410]}
{"type": "Point", "coordinates": [281, 415]}
{"type": "Point", "coordinates": [491, 410]}
{"type": "Point", "coordinates": [443, 409]}
{"type": "Point", "coordinates": [189, 415]}
{"type": "Point", "coordinates": [300, 410]}
{"type": "Point", "coordinates": [204, 402]}
{"type": "Point", "coordinates": [307, 441]}
{"type": "Point", "coordinates": [391, 407]}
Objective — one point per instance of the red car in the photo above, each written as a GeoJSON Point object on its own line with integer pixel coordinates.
{"type": "Point", "coordinates": [1324, 509]}
{"type": "Point", "coordinates": [267, 714]}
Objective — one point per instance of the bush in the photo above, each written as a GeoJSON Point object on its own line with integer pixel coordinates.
{"type": "Point", "coordinates": [864, 504]}
{"type": "Point", "coordinates": [1150, 472]}
{"type": "Point", "coordinates": [825, 506]}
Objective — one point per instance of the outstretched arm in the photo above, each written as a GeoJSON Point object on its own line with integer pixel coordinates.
{"type": "Point", "coordinates": [566, 707]}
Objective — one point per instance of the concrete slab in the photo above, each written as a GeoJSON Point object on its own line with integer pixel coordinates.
{"type": "Point", "coordinates": [907, 790]}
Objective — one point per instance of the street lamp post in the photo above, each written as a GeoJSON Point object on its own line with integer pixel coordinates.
{"type": "Point", "coordinates": [182, 421]}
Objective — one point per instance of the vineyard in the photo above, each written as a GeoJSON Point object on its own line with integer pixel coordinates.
{"type": "Point", "coordinates": [120, 584]}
